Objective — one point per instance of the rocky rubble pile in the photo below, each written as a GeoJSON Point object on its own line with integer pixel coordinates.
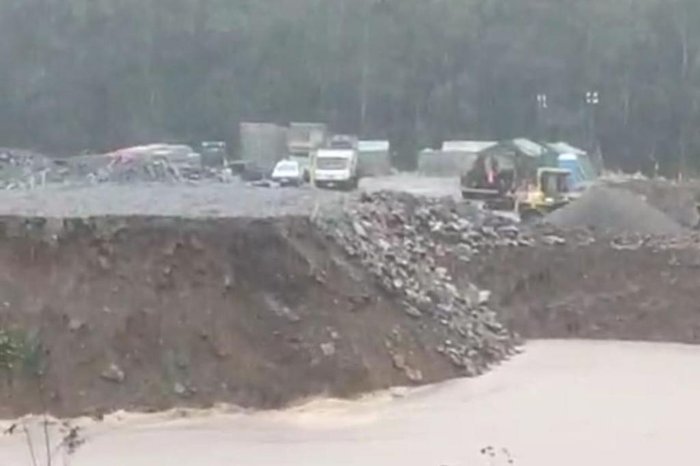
{"type": "Point", "coordinates": [402, 240]}
{"type": "Point", "coordinates": [157, 170]}
{"type": "Point", "coordinates": [20, 171]}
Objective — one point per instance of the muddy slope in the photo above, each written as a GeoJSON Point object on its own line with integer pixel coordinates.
{"type": "Point", "coordinates": [601, 290]}
{"type": "Point", "coordinates": [145, 313]}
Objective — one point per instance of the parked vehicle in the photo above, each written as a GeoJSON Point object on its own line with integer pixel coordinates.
{"type": "Point", "coordinates": [263, 144]}
{"type": "Point", "coordinates": [303, 140]}
{"type": "Point", "coordinates": [288, 173]}
{"type": "Point", "coordinates": [490, 183]}
{"type": "Point", "coordinates": [336, 168]}
{"type": "Point", "coordinates": [214, 153]}
{"type": "Point", "coordinates": [549, 192]}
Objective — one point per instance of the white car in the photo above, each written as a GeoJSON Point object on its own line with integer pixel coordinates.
{"type": "Point", "coordinates": [288, 173]}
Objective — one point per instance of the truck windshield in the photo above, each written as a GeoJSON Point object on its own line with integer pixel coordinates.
{"type": "Point", "coordinates": [287, 167]}
{"type": "Point", "coordinates": [332, 163]}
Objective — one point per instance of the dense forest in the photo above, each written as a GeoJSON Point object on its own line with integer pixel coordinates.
{"type": "Point", "coordinates": [623, 75]}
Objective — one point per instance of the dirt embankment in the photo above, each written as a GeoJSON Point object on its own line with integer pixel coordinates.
{"type": "Point", "coordinates": [145, 313]}
{"type": "Point", "coordinates": [601, 290]}
{"type": "Point", "coordinates": [629, 273]}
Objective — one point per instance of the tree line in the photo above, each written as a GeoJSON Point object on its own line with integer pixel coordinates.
{"type": "Point", "coordinates": [620, 75]}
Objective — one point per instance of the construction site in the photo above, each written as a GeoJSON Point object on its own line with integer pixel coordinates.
{"type": "Point", "coordinates": [143, 290]}
{"type": "Point", "coordinates": [349, 232]}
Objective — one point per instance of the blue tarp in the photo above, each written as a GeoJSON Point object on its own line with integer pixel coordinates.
{"type": "Point", "coordinates": [577, 165]}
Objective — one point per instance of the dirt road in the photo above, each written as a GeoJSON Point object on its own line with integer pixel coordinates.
{"type": "Point", "coordinates": [206, 199]}
{"type": "Point", "coordinates": [570, 403]}
{"type": "Point", "coordinates": [414, 184]}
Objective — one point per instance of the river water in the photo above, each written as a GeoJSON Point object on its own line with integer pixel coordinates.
{"type": "Point", "coordinates": [559, 403]}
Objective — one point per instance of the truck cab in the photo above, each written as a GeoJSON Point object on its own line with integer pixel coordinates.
{"type": "Point", "coordinates": [336, 168]}
{"type": "Point", "coordinates": [549, 193]}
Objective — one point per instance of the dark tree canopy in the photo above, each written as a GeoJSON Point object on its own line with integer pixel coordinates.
{"type": "Point", "coordinates": [97, 74]}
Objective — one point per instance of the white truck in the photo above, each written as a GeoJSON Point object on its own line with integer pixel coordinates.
{"type": "Point", "coordinates": [335, 168]}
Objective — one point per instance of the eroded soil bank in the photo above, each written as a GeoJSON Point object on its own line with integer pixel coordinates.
{"type": "Point", "coordinates": [645, 290]}
{"type": "Point", "coordinates": [148, 313]}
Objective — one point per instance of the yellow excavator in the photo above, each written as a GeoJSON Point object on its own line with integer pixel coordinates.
{"type": "Point", "coordinates": [531, 193]}
{"type": "Point", "coordinates": [549, 193]}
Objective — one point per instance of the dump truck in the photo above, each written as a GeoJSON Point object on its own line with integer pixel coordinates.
{"type": "Point", "coordinates": [262, 145]}
{"type": "Point", "coordinates": [303, 140]}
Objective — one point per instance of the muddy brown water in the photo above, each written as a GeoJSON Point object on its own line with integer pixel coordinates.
{"type": "Point", "coordinates": [573, 403]}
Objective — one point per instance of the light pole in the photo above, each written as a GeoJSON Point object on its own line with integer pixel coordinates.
{"type": "Point", "coordinates": [592, 97]}
{"type": "Point", "coordinates": [592, 101]}
{"type": "Point", "coordinates": [371, 9]}
{"type": "Point", "coordinates": [542, 106]}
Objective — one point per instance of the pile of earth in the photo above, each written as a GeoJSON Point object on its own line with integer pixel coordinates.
{"type": "Point", "coordinates": [631, 287]}
{"type": "Point", "coordinates": [147, 313]}
{"type": "Point", "coordinates": [678, 200]}
{"type": "Point", "coordinates": [614, 211]}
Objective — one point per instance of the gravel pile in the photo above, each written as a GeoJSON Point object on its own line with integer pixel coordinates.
{"type": "Point", "coordinates": [145, 170]}
{"type": "Point", "coordinates": [22, 169]}
{"type": "Point", "coordinates": [677, 200]}
{"type": "Point", "coordinates": [26, 171]}
{"type": "Point", "coordinates": [614, 211]}
{"type": "Point", "coordinates": [401, 239]}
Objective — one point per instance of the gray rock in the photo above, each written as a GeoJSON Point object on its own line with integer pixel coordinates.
{"type": "Point", "coordinates": [552, 240]}
{"type": "Point", "coordinates": [359, 229]}
{"type": "Point", "coordinates": [413, 312]}
{"type": "Point", "coordinates": [414, 375]}
{"type": "Point", "coordinates": [75, 325]}
{"type": "Point", "coordinates": [328, 349]}
{"type": "Point", "coordinates": [281, 310]}
{"type": "Point", "coordinates": [113, 374]}
{"type": "Point", "coordinates": [484, 296]}
{"type": "Point", "coordinates": [180, 389]}
{"type": "Point", "coordinates": [104, 263]}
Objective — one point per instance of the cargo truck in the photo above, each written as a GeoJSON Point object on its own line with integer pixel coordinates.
{"type": "Point", "coordinates": [335, 168]}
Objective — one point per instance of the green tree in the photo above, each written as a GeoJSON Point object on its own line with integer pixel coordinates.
{"type": "Point", "coordinates": [99, 74]}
